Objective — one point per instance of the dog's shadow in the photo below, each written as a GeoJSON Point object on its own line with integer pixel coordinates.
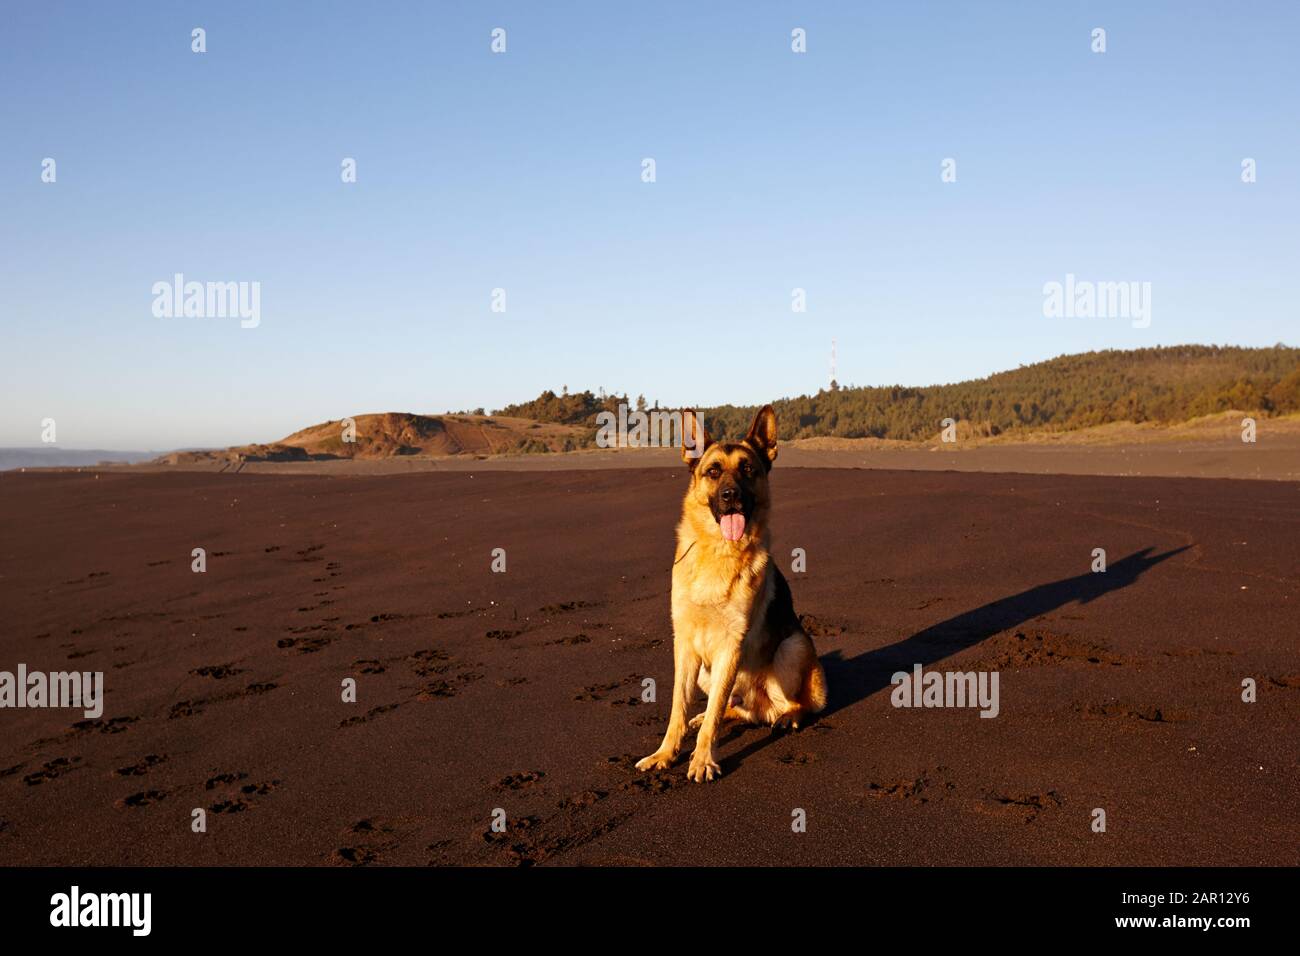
{"type": "Point", "coordinates": [854, 679]}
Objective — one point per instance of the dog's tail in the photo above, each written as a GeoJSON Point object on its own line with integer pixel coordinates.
{"type": "Point", "coordinates": [813, 693]}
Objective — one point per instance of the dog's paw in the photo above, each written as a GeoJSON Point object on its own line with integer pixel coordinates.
{"type": "Point", "coordinates": [703, 767]}
{"type": "Point", "coordinates": [788, 721]}
{"type": "Point", "coordinates": [694, 722]}
{"type": "Point", "coordinates": [656, 761]}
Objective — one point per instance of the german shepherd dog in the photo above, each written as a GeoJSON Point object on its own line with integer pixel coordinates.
{"type": "Point", "coordinates": [734, 626]}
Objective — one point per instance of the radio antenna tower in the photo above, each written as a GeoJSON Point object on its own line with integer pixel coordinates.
{"type": "Point", "coordinates": [834, 384]}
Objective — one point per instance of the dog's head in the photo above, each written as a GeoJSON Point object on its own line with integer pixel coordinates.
{"type": "Point", "coordinates": [729, 479]}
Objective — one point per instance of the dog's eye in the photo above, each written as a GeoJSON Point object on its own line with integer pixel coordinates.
{"type": "Point", "coordinates": [714, 472]}
{"type": "Point", "coordinates": [746, 469]}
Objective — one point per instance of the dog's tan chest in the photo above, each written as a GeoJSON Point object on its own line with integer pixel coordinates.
{"type": "Point", "coordinates": [716, 602]}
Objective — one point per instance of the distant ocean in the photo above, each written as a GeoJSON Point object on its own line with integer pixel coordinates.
{"type": "Point", "coordinates": [11, 458]}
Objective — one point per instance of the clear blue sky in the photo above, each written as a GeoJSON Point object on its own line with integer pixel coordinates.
{"type": "Point", "coordinates": [522, 171]}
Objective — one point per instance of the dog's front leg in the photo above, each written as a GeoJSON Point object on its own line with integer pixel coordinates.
{"type": "Point", "coordinates": [686, 669]}
{"type": "Point", "coordinates": [704, 764]}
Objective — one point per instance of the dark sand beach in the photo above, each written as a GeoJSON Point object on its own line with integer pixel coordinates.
{"type": "Point", "coordinates": [522, 690]}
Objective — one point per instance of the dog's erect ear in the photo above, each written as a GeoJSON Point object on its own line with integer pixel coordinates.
{"type": "Point", "coordinates": [762, 434]}
{"type": "Point", "coordinates": [695, 438]}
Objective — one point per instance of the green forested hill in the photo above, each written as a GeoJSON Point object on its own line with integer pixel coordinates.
{"type": "Point", "coordinates": [1166, 385]}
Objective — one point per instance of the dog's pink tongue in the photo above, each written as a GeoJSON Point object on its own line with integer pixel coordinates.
{"type": "Point", "coordinates": [733, 526]}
